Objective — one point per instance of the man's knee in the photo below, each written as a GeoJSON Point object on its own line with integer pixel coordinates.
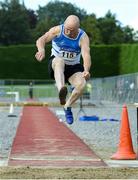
{"type": "Point", "coordinates": [58, 62]}
{"type": "Point", "coordinates": [81, 85]}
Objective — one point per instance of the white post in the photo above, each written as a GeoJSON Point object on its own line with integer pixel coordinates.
{"type": "Point", "coordinates": [16, 95]}
{"type": "Point", "coordinates": [11, 109]}
{"type": "Point", "coordinates": [11, 114]}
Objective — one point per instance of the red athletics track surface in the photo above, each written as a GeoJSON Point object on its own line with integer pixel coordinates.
{"type": "Point", "coordinates": [41, 140]}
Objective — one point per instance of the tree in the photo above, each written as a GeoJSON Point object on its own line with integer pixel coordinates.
{"type": "Point", "coordinates": [90, 25]}
{"type": "Point", "coordinates": [54, 13]}
{"type": "Point", "coordinates": [57, 11]}
{"type": "Point", "coordinates": [41, 28]}
{"type": "Point", "coordinates": [108, 28]}
{"type": "Point", "coordinates": [32, 18]}
{"type": "Point", "coordinates": [112, 32]}
{"type": "Point", "coordinates": [21, 25]}
{"type": "Point", "coordinates": [14, 25]}
{"type": "Point", "coordinates": [128, 34]}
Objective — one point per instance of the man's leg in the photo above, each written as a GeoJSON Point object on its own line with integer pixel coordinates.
{"type": "Point", "coordinates": [58, 68]}
{"type": "Point", "coordinates": [78, 82]}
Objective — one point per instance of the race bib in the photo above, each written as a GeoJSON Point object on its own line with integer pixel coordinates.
{"type": "Point", "coordinates": [69, 55]}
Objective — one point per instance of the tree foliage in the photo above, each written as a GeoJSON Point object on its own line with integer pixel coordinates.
{"type": "Point", "coordinates": [54, 13]}
{"type": "Point", "coordinates": [90, 25]}
{"type": "Point", "coordinates": [21, 25]}
{"type": "Point", "coordinates": [57, 11]}
{"type": "Point", "coordinates": [32, 18]}
{"type": "Point", "coordinates": [14, 25]}
{"type": "Point", "coordinates": [110, 29]}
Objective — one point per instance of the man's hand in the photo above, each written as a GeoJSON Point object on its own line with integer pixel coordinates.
{"type": "Point", "coordinates": [40, 55]}
{"type": "Point", "coordinates": [86, 74]}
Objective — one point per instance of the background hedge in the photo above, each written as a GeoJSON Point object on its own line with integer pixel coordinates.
{"type": "Point", "coordinates": [18, 62]}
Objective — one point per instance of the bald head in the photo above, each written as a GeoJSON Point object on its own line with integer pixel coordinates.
{"type": "Point", "coordinates": [72, 21]}
{"type": "Point", "coordinates": [71, 26]}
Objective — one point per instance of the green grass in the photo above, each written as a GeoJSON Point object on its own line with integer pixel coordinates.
{"type": "Point", "coordinates": [39, 91]}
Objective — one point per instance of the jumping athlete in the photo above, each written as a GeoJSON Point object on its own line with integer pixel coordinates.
{"type": "Point", "coordinates": [69, 42]}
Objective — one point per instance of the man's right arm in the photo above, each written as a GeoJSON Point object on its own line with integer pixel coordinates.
{"type": "Point", "coordinates": [47, 37]}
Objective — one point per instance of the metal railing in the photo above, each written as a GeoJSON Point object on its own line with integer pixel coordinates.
{"type": "Point", "coordinates": [120, 89]}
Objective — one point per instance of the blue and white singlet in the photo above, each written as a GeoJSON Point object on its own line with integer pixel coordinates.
{"type": "Point", "coordinates": [67, 48]}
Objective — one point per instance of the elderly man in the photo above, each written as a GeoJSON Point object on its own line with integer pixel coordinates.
{"type": "Point", "coordinates": [69, 42]}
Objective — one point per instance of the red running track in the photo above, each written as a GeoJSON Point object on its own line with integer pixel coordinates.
{"type": "Point", "coordinates": [41, 140]}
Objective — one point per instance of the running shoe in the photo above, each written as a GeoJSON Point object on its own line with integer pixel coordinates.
{"type": "Point", "coordinates": [62, 95]}
{"type": "Point", "coordinates": [69, 115]}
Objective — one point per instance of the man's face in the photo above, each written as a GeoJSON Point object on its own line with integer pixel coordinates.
{"type": "Point", "coordinates": [71, 32]}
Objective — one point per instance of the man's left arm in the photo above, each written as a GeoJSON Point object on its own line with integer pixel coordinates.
{"type": "Point", "coordinates": [85, 51]}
